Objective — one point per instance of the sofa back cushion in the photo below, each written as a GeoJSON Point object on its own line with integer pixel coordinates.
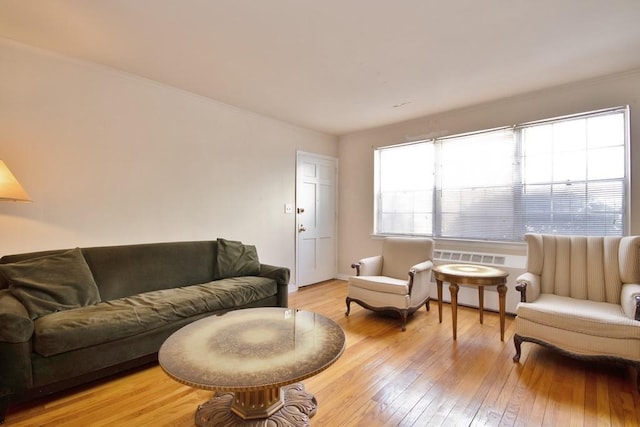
{"type": "Point", "coordinates": [125, 270]}
{"type": "Point", "coordinates": [235, 259]}
{"type": "Point", "coordinates": [584, 267]}
{"type": "Point", "coordinates": [52, 283]}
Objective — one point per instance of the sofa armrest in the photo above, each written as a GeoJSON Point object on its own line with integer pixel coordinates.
{"type": "Point", "coordinates": [370, 266]}
{"type": "Point", "coordinates": [281, 275]}
{"type": "Point", "coordinates": [16, 329]}
{"type": "Point", "coordinates": [528, 284]}
{"type": "Point", "coordinates": [15, 367]}
{"type": "Point", "coordinates": [15, 324]}
{"type": "Point", "coordinates": [630, 300]}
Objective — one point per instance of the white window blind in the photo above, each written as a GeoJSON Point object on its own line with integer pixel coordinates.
{"type": "Point", "coordinates": [477, 191]}
{"type": "Point", "coordinates": [563, 176]}
{"type": "Point", "coordinates": [574, 175]}
{"type": "Point", "coordinates": [404, 202]}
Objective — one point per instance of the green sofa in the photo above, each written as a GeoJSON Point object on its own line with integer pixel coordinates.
{"type": "Point", "coordinates": [72, 316]}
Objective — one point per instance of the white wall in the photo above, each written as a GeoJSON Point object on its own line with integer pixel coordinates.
{"type": "Point", "coordinates": [356, 152]}
{"type": "Point", "coordinates": [110, 158]}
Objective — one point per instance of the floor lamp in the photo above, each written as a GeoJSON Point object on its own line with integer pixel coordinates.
{"type": "Point", "coordinates": [10, 188]}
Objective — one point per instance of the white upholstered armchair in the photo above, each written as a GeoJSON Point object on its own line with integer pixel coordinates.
{"type": "Point", "coordinates": [397, 281]}
{"type": "Point", "coordinates": [581, 295]}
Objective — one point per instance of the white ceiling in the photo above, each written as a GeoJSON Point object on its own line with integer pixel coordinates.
{"type": "Point", "coordinates": [340, 65]}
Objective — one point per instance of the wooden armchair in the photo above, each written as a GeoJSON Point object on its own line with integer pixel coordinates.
{"type": "Point", "coordinates": [397, 281]}
{"type": "Point", "coordinates": [581, 296]}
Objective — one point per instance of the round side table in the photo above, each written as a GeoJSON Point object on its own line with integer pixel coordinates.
{"type": "Point", "coordinates": [473, 275]}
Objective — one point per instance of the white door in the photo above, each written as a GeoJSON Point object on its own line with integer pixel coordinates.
{"type": "Point", "coordinates": [316, 177]}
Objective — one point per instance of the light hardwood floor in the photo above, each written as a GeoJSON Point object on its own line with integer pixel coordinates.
{"type": "Point", "coordinates": [386, 377]}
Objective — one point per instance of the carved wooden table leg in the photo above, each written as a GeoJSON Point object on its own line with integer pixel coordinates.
{"type": "Point", "coordinates": [481, 303]}
{"type": "Point", "coordinates": [439, 284]}
{"type": "Point", "coordinates": [502, 292]}
{"type": "Point", "coordinates": [453, 288]}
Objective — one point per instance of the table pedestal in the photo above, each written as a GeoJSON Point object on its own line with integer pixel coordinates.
{"type": "Point", "coordinates": [293, 407]}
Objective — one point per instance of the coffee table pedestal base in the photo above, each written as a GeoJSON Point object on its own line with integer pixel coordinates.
{"type": "Point", "coordinates": [298, 406]}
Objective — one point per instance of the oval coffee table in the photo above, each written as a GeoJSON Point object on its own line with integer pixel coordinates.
{"type": "Point", "coordinates": [253, 359]}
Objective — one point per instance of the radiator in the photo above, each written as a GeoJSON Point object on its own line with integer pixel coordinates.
{"type": "Point", "coordinates": [468, 295]}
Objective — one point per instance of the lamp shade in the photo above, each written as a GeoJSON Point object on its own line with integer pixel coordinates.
{"type": "Point", "coordinates": [10, 188]}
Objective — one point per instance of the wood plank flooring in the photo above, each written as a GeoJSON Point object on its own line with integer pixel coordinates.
{"type": "Point", "coordinates": [386, 377]}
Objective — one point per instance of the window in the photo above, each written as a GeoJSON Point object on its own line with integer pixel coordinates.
{"type": "Point", "coordinates": [561, 176]}
{"type": "Point", "coordinates": [405, 189]}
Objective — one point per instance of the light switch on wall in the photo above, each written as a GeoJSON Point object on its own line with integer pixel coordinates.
{"type": "Point", "coordinates": [288, 208]}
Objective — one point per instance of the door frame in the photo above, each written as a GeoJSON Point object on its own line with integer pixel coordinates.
{"type": "Point", "coordinates": [300, 153]}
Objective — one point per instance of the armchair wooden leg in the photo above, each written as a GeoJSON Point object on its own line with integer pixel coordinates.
{"type": "Point", "coordinates": [403, 316]}
{"type": "Point", "coordinates": [517, 341]}
{"type": "Point", "coordinates": [348, 302]}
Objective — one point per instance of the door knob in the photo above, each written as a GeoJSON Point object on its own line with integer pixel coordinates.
{"type": "Point", "coordinates": [302, 228]}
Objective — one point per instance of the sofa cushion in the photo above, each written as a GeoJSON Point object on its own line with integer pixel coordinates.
{"type": "Point", "coordinates": [112, 320]}
{"type": "Point", "coordinates": [235, 259]}
{"type": "Point", "coordinates": [583, 316]}
{"type": "Point", "coordinates": [52, 283]}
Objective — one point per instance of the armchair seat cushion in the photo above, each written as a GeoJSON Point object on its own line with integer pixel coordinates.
{"type": "Point", "coordinates": [593, 318]}
{"type": "Point", "coordinates": [383, 284]}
